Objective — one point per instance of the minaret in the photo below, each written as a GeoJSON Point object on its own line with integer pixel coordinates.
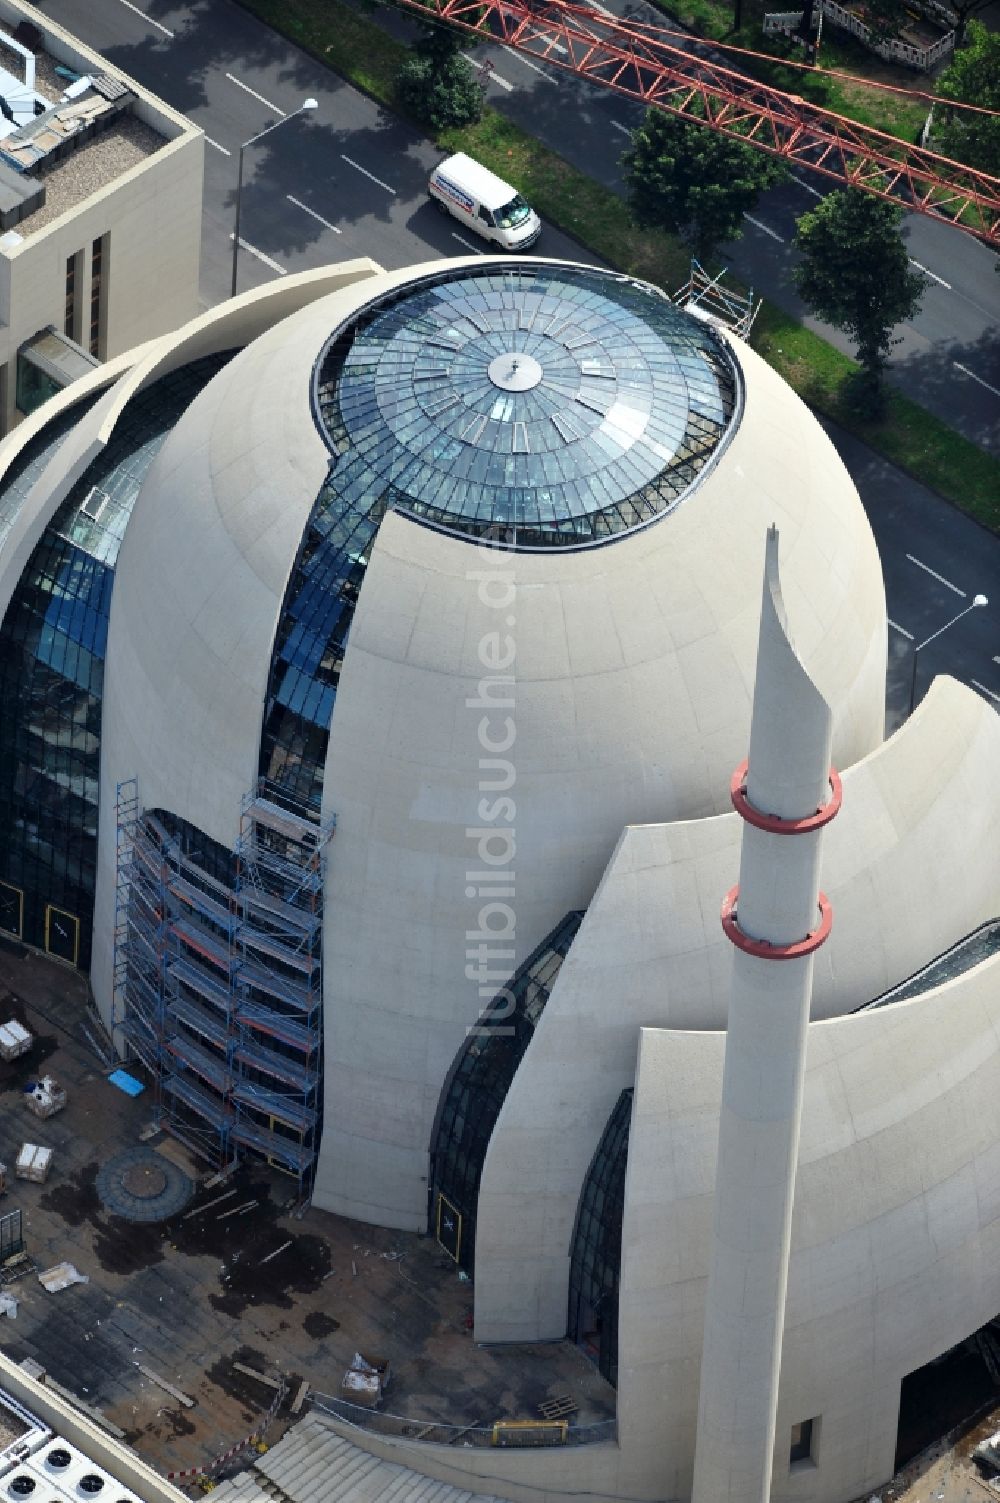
{"type": "Point", "coordinates": [776, 919]}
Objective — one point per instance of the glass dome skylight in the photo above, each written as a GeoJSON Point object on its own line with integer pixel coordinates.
{"type": "Point", "coordinates": [539, 405]}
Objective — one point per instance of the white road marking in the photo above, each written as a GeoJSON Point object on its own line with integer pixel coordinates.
{"type": "Point", "coordinates": [901, 629]}
{"type": "Point", "coordinates": [935, 575]}
{"type": "Point", "coordinates": [247, 90]}
{"type": "Point", "coordinates": [129, 6]}
{"type": "Point", "coordinates": [365, 173]}
{"type": "Point", "coordinates": [542, 36]}
{"type": "Point", "coordinates": [306, 210]}
{"type": "Point", "coordinates": [757, 225]}
{"type": "Point", "coordinates": [973, 377]}
{"type": "Point", "coordinates": [527, 63]}
{"type": "Point", "coordinates": [224, 149]}
{"type": "Point", "coordinates": [983, 689]}
{"type": "Point", "coordinates": [245, 245]}
{"type": "Point", "coordinates": [623, 128]}
{"type": "Point", "coordinates": [489, 75]}
{"type": "Point", "coordinates": [467, 243]}
{"type": "Point", "coordinates": [807, 186]}
{"type": "Point", "coordinates": [928, 273]}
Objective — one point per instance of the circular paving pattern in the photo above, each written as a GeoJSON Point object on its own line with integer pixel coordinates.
{"type": "Point", "coordinates": [144, 1181]}
{"type": "Point", "coordinates": [141, 1185]}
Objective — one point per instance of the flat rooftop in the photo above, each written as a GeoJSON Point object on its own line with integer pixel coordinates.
{"type": "Point", "coordinates": [125, 142]}
{"type": "Point", "coordinates": [290, 1295]}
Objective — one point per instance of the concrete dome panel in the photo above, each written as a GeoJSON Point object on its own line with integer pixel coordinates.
{"type": "Point", "coordinates": [895, 1229]}
{"type": "Point", "coordinates": [634, 664]}
{"type": "Point", "coordinates": [908, 874]}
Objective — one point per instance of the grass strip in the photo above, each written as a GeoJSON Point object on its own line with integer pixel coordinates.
{"type": "Point", "coordinates": [906, 434]}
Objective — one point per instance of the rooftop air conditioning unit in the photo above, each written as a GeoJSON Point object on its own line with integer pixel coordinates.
{"type": "Point", "coordinates": [73, 1478]}
{"type": "Point", "coordinates": [21, 1486]}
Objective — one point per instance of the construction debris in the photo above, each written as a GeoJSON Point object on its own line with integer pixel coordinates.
{"type": "Point", "coordinates": [300, 1397]}
{"type": "Point", "coordinates": [175, 1393]}
{"type": "Point", "coordinates": [238, 1210]}
{"type": "Point", "coordinates": [14, 1040]}
{"type": "Point", "coordinates": [8, 1305]}
{"type": "Point", "coordinates": [45, 1097]}
{"type": "Point", "coordinates": [33, 1162]}
{"type": "Point", "coordinates": [16, 1266]}
{"type": "Point", "coordinates": [251, 1372]}
{"type": "Point", "coordinates": [60, 1276]}
{"type": "Point", "coordinates": [200, 1210]}
{"type": "Point", "coordinates": [560, 1407]}
{"type": "Point", "coordinates": [277, 1251]}
{"type": "Point", "coordinates": [366, 1380]}
{"type": "Point", "coordinates": [219, 1178]}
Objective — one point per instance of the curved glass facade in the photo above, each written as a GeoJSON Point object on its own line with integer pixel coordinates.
{"type": "Point", "coordinates": [52, 647]}
{"type": "Point", "coordinates": [542, 406]}
{"type": "Point", "coordinates": [596, 1249]}
{"type": "Point", "coordinates": [618, 402]}
{"type": "Point", "coordinates": [28, 465]}
{"type": "Point", "coordinates": [477, 1088]}
{"type": "Point", "coordinates": [312, 634]}
{"type": "Point", "coordinates": [971, 951]}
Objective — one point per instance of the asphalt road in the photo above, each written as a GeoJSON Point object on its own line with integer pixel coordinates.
{"type": "Point", "coordinates": [948, 357]}
{"type": "Point", "coordinates": [351, 180]}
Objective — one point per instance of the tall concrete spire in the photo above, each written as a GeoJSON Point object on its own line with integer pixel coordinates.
{"type": "Point", "coordinates": [776, 918]}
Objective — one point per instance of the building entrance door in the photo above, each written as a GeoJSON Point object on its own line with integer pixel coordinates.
{"type": "Point", "coordinates": [62, 933]}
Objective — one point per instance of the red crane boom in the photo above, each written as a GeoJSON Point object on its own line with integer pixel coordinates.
{"type": "Point", "coordinates": [636, 60]}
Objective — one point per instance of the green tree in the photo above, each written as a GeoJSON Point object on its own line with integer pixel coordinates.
{"type": "Point", "coordinates": [694, 181]}
{"type": "Point", "coordinates": [972, 76]}
{"type": "Point", "coordinates": [438, 39]}
{"type": "Point", "coordinates": [440, 91]}
{"type": "Point", "coordinates": [855, 274]}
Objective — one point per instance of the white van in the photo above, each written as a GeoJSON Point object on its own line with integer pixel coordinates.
{"type": "Point", "coordinates": [485, 203]}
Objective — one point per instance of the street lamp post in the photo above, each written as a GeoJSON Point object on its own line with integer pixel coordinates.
{"type": "Point", "coordinates": [979, 600]}
{"type": "Point", "coordinates": [306, 106]}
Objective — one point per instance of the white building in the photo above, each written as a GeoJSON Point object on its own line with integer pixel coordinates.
{"type": "Point", "coordinates": [410, 641]}
{"type": "Point", "coordinates": [100, 202]}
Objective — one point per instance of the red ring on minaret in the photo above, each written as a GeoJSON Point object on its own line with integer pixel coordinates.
{"type": "Point", "coordinates": [760, 947]}
{"type": "Point", "coordinates": [773, 823]}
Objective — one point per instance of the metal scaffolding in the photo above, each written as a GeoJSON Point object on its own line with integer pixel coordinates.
{"type": "Point", "coordinates": [277, 1056]}
{"type": "Point", "coordinates": [220, 991]}
{"type": "Point", "coordinates": [726, 307]}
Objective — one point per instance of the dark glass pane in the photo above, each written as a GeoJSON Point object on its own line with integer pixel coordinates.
{"type": "Point", "coordinates": [52, 645]}
{"type": "Point", "coordinates": [596, 1248]}
{"type": "Point", "coordinates": [477, 1088]}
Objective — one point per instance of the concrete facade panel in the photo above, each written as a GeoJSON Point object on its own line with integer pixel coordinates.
{"type": "Point", "coordinates": [670, 964]}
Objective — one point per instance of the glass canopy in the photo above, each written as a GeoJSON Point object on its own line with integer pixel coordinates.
{"type": "Point", "coordinates": [539, 405]}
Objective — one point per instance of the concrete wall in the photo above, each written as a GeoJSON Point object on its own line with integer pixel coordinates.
{"type": "Point", "coordinates": [910, 866]}
{"type": "Point", "coordinates": [895, 1253]}
{"type": "Point", "coordinates": [895, 1235]}
{"type": "Point", "coordinates": [118, 1460]}
{"type": "Point", "coordinates": [202, 571]}
{"type": "Point", "coordinates": [634, 664]}
{"type": "Point", "coordinates": [633, 675]}
{"type": "Point", "coordinates": [152, 214]}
